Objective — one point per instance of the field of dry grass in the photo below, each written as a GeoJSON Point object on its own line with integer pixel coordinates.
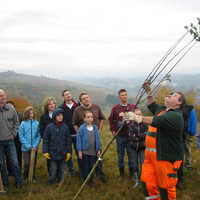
{"type": "Point", "coordinates": [112, 190]}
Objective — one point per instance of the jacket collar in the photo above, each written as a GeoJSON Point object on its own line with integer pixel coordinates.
{"type": "Point", "coordinates": [5, 107]}
{"type": "Point", "coordinates": [65, 105]}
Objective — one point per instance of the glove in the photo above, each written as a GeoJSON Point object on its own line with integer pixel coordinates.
{"type": "Point", "coordinates": [146, 86]}
{"type": "Point", "coordinates": [68, 156]}
{"type": "Point", "coordinates": [47, 156]}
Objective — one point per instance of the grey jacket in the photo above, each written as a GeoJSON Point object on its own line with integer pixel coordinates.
{"type": "Point", "coordinates": [9, 122]}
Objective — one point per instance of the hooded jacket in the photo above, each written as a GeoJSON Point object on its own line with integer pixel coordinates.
{"type": "Point", "coordinates": [29, 134]}
{"type": "Point", "coordinates": [57, 141]}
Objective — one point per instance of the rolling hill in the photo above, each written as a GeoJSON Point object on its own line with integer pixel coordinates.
{"type": "Point", "coordinates": [36, 88]}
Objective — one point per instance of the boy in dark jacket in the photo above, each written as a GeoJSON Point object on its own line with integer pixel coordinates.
{"type": "Point", "coordinates": [137, 142]}
{"type": "Point", "coordinates": [57, 146]}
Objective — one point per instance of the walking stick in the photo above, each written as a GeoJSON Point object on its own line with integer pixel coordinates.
{"type": "Point", "coordinates": [97, 162]}
{"type": "Point", "coordinates": [31, 167]}
{"type": "Point", "coordinates": [2, 190]}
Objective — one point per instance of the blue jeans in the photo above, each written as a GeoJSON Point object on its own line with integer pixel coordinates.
{"type": "Point", "coordinates": [87, 164]}
{"type": "Point", "coordinates": [8, 150]}
{"type": "Point", "coordinates": [122, 145]}
{"type": "Point", "coordinates": [70, 162]}
{"type": "Point", "coordinates": [57, 170]}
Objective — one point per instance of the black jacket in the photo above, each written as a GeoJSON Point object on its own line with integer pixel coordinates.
{"type": "Point", "coordinates": [44, 121]}
{"type": "Point", "coordinates": [68, 114]}
{"type": "Point", "coordinates": [137, 135]}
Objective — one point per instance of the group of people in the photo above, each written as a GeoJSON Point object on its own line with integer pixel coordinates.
{"type": "Point", "coordinates": [154, 144]}
{"type": "Point", "coordinates": [77, 124]}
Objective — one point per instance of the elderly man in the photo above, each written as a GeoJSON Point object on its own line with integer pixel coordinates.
{"type": "Point", "coordinates": [9, 127]}
{"type": "Point", "coordinates": [163, 155]}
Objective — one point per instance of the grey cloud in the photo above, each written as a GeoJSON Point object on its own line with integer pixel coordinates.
{"type": "Point", "coordinates": [22, 18]}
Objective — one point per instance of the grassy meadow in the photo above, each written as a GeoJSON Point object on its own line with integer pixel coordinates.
{"type": "Point", "coordinates": [112, 190]}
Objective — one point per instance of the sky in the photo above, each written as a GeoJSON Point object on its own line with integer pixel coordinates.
{"type": "Point", "coordinates": [93, 38]}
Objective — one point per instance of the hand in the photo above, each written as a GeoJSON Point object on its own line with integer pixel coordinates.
{"type": "Point", "coordinates": [113, 133]}
{"type": "Point", "coordinates": [12, 137]}
{"type": "Point", "coordinates": [190, 138]}
{"type": "Point", "coordinates": [47, 156]}
{"type": "Point", "coordinates": [98, 154]}
{"type": "Point", "coordinates": [34, 149]}
{"type": "Point", "coordinates": [68, 156]}
{"type": "Point", "coordinates": [80, 155]}
{"type": "Point", "coordinates": [146, 86]}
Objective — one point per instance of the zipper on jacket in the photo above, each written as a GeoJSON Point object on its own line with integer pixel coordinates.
{"type": "Point", "coordinates": [31, 133]}
{"type": "Point", "coordinates": [138, 137]}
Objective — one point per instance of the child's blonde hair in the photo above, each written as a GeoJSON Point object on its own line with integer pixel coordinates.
{"type": "Point", "coordinates": [138, 110]}
{"type": "Point", "coordinates": [26, 112]}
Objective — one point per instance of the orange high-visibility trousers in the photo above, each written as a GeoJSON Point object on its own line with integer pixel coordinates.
{"type": "Point", "coordinates": [148, 175]}
{"type": "Point", "coordinates": [167, 178]}
{"type": "Point", "coordinates": [159, 174]}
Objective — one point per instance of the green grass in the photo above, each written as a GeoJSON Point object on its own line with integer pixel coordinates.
{"type": "Point", "coordinates": [112, 190]}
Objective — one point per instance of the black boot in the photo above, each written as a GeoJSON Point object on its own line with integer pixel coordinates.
{"type": "Point", "coordinates": [132, 173]}
{"type": "Point", "coordinates": [121, 173]}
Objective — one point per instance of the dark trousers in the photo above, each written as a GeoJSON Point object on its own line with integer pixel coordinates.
{"type": "Point", "coordinates": [27, 159]}
{"type": "Point", "coordinates": [88, 162]}
{"type": "Point", "coordinates": [138, 160]}
{"type": "Point", "coordinates": [8, 149]}
{"type": "Point", "coordinates": [99, 169]}
{"type": "Point", "coordinates": [57, 171]}
{"type": "Point", "coordinates": [70, 162]}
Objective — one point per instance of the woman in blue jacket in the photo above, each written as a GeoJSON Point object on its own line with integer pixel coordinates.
{"type": "Point", "coordinates": [29, 137]}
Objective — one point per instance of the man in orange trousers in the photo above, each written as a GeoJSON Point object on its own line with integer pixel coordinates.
{"type": "Point", "coordinates": [164, 150]}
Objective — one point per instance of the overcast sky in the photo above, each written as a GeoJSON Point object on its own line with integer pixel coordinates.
{"type": "Point", "coordinates": [93, 37]}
